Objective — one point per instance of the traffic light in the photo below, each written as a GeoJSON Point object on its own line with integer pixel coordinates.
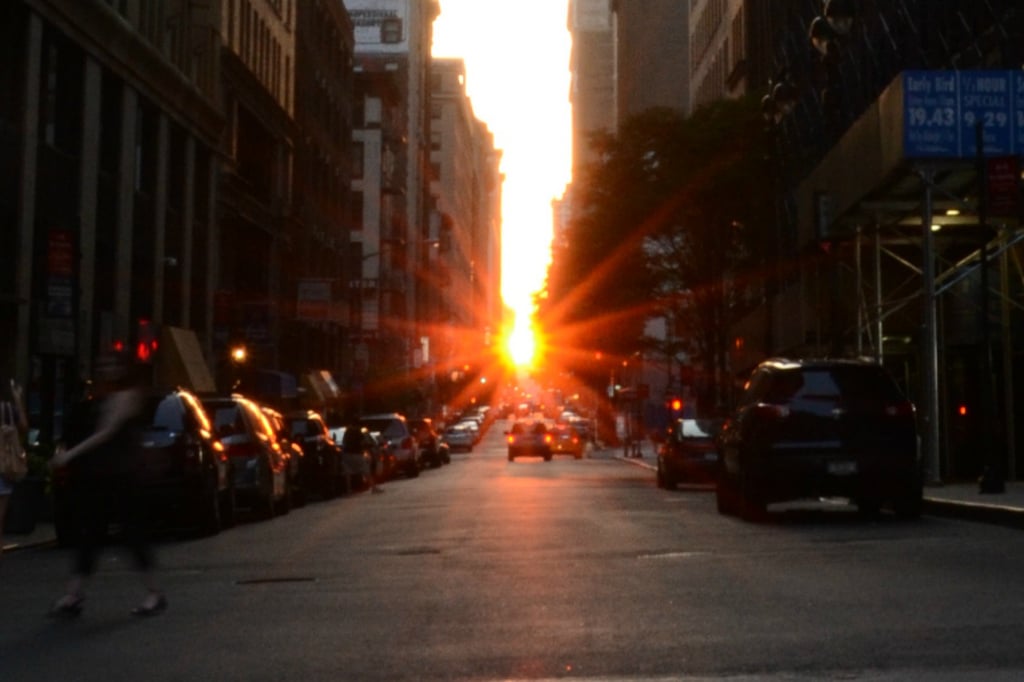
{"type": "Point", "coordinates": [145, 341]}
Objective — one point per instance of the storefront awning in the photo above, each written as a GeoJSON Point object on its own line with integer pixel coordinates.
{"type": "Point", "coordinates": [180, 361]}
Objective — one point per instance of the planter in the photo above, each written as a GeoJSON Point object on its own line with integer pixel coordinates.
{"type": "Point", "coordinates": [23, 509]}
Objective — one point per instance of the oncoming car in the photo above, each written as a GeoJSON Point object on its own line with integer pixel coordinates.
{"type": "Point", "coordinates": [526, 439]}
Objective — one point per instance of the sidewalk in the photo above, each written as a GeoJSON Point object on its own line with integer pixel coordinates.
{"type": "Point", "coordinates": [952, 500]}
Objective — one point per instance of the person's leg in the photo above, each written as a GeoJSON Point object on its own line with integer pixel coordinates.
{"type": "Point", "coordinates": [136, 515]}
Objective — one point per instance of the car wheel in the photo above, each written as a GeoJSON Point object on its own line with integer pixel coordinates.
{"type": "Point", "coordinates": [725, 497]}
{"type": "Point", "coordinates": [413, 469]}
{"type": "Point", "coordinates": [668, 481]}
{"type": "Point", "coordinates": [547, 457]}
{"type": "Point", "coordinates": [751, 506]}
{"type": "Point", "coordinates": [908, 507]}
{"type": "Point", "coordinates": [511, 457]}
{"type": "Point", "coordinates": [284, 505]}
{"type": "Point", "coordinates": [208, 519]}
{"type": "Point", "coordinates": [227, 507]}
{"type": "Point", "coordinates": [868, 507]}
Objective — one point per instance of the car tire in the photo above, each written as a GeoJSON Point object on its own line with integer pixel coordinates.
{"type": "Point", "coordinates": [725, 496]}
{"type": "Point", "coordinates": [412, 470]}
{"type": "Point", "coordinates": [227, 508]}
{"type": "Point", "coordinates": [668, 481]}
{"type": "Point", "coordinates": [208, 511]}
{"type": "Point", "coordinates": [752, 507]}
{"type": "Point", "coordinates": [547, 457]}
{"type": "Point", "coordinates": [511, 457]}
{"type": "Point", "coordinates": [908, 507]}
{"type": "Point", "coordinates": [868, 507]}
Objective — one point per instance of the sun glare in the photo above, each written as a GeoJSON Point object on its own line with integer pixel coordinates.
{"type": "Point", "coordinates": [522, 345]}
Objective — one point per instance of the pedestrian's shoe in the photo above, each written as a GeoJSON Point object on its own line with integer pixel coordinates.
{"type": "Point", "coordinates": [68, 606]}
{"type": "Point", "coordinates": [154, 604]}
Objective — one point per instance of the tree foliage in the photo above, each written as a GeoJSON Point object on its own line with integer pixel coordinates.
{"type": "Point", "coordinates": [673, 220]}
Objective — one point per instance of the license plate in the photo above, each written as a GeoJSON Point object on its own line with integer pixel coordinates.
{"type": "Point", "coordinates": [842, 468]}
{"type": "Point", "coordinates": [710, 456]}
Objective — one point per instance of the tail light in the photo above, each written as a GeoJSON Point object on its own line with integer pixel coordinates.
{"type": "Point", "coordinates": [901, 409]}
{"type": "Point", "coordinates": [547, 438]}
{"type": "Point", "coordinates": [242, 450]}
{"type": "Point", "coordinates": [511, 440]}
{"type": "Point", "coordinates": [769, 411]}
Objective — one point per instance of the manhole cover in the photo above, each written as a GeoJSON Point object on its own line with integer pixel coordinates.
{"type": "Point", "coordinates": [283, 579]}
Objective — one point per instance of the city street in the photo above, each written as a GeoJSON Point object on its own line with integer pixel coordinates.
{"type": "Point", "coordinates": [570, 569]}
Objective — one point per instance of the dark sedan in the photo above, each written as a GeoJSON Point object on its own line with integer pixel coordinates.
{"type": "Point", "coordinates": [183, 466]}
{"type": "Point", "coordinates": [258, 462]}
{"type": "Point", "coordinates": [323, 467]}
{"type": "Point", "coordinates": [689, 453]}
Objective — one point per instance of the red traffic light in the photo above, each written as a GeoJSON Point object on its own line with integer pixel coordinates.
{"type": "Point", "coordinates": [145, 340]}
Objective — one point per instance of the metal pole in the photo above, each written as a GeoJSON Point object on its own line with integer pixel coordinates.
{"type": "Point", "coordinates": [930, 356]}
{"type": "Point", "coordinates": [1008, 407]}
{"type": "Point", "coordinates": [860, 294]}
{"type": "Point", "coordinates": [879, 347]}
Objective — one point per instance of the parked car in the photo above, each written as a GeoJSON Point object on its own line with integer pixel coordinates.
{"type": "Point", "coordinates": [529, 439]}
{"type": "Point", "coordinates": [688, 453]}
{"type": "Point", "coordinates": [324, 464]}
{"type": "Point", "coordinates": [459, 437]}
{"type": "Point", "coordinates": [255, 453]}
{"type": "Point", "coordinates": [359, 451]}
{"type": "Point", "coordinates": [295, 464]}
{"type": "Point", "coordinates": [184, 468]}
{"type": "Point", "coordinates": [388, 464]}
{"type": "Point", "coordinates": [819, 428]}
{"type": "Point", "coordinates": [402, 442]}
{"type": "Point", "coordinates": [433, 450]}
{"type": "Point", "coordinates": [566, 440]}
{"type": "Point", "coordinates": [472, 426]}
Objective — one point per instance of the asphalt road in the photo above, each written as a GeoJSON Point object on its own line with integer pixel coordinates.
{"type": "Point", "coordinates": [490, 570]}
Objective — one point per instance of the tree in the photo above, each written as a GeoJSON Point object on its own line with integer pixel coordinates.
{"type": "Point", "coordinates": [671, 221]}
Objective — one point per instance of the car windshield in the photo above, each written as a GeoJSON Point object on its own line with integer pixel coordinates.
{"type": "Point", "coordinates": [392, 429]}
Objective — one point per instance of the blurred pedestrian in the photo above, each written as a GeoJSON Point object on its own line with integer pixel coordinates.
{"type": "Point", "coordinates": [105, 476]}
{"type": "Point", "coordinates": [12, 412]}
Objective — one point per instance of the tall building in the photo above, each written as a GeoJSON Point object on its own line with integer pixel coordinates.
{"type": "Point", "coordinates": [592, 69]}
{"type": "Point", "coordinates": [652, 55]}
{"type": "Point", "coordinates": [884, 236]}
{"type": "Point", "coordinates": [255, 193]}
{"type": "Point", "coordinates": [466, 185]}
{"type": "Point", "coordinates": [391, 198]}
{"type": "Point", "coordinates": [317, 267]}
{"type": "Point", "coordinates": [718, 45]}
{"type": "Point", "coordinates": [110, 135]}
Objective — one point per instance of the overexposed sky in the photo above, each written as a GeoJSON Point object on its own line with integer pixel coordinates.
{"type": "Point", "coordinates": [517, 76]}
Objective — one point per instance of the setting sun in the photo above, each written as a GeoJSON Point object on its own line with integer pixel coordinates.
{"type": "Point", "coordinates": [522, 344]}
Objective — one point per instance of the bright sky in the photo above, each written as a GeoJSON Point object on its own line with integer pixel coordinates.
{"type": "Point", "coordinates": [517, 76]}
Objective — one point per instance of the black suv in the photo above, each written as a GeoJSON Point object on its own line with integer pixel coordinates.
{"type": "Point", "coordinates": [819, 428]}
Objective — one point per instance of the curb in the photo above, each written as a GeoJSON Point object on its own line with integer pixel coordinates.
{"type": "Point", "coordinates": [995, 514]}
{"type": "Point", "coordinates": [979, 512]}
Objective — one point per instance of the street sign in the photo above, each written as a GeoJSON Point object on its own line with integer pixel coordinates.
{"type": "Point", "coordinates": [942, 109]}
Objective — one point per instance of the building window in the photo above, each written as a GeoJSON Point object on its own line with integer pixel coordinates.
{"type": "Point", "coordinates": [358, 159]}
{"type": "Point", "coordinates": [391, 31]}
